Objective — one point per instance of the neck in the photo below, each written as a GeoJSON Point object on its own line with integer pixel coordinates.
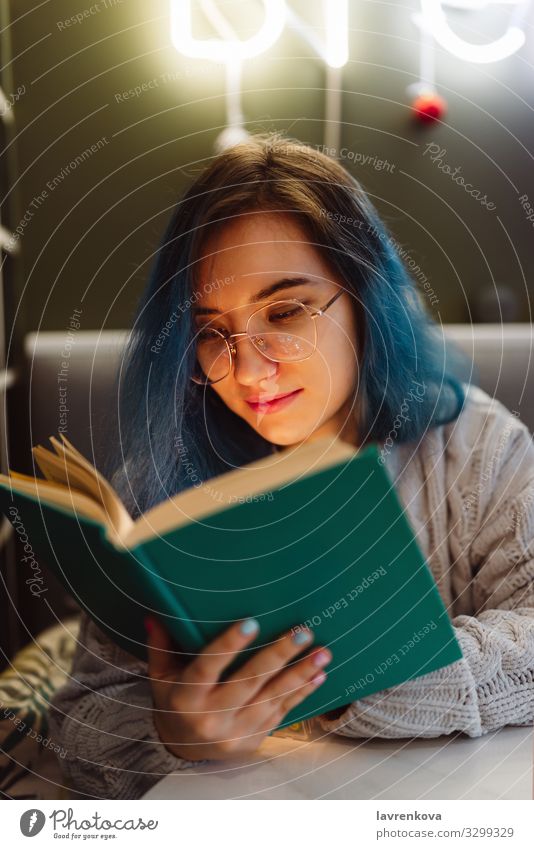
{"type": "Point", "coordinates": [348, 434]}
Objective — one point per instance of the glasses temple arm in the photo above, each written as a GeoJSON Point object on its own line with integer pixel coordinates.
{"type": "Point", "coordinates": [330, 302]}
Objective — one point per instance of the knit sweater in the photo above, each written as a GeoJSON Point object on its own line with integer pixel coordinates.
{"type": "Point", "coordinates": [468, 491]}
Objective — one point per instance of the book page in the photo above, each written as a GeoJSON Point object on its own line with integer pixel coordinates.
{"type": "Point", "coordinates": [69, 468]}
{"type": "Point", "coordinates": [56, 494]}
{"type": "Point", "coordinates": [118, 512]}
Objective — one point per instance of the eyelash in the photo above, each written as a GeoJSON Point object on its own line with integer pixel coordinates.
{"type": "Point", "coordinates": [202, 325]}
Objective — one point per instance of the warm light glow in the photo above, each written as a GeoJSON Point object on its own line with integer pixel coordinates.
{"type": "Point", "coordinates": [336, 15]}
{"type": "Point", "coordinates": [222, 50]}
{"type": "Point", "coordinates": [509, 43]}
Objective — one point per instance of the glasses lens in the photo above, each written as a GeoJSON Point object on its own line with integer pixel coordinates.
{"type": "Point", "coordinates": [284, 331]}
{"type": "Point", "coordinates": [213, 356]}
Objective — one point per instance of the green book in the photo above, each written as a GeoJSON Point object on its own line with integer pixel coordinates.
{"type": "Point", "coordinates": [313, 536]}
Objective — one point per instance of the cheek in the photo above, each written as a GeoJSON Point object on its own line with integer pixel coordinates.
{"type": "Point", "coordinates": [224, 394]}
{"type": "Point", "coordinates": [338, 357]}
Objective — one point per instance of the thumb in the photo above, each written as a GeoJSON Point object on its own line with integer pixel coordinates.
{"type": "Point", "coordinates": [163, 659]}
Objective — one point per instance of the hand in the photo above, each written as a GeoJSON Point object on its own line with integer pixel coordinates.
{"type": "Point", "coordinates": [197, 716]}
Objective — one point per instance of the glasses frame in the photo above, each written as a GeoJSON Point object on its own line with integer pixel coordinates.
{"type": "Point", "coordinates": [314, 313]}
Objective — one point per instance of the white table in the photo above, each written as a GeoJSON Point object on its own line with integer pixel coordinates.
{"type": "Point", "coordinates": [495, 766]}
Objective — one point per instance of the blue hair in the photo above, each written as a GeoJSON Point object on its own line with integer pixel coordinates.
{"type": "Point", "coordinates": [174, 433]}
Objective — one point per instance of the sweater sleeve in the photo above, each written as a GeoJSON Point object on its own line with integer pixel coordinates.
{"type": "Point", "coordinates": [493, 684]}
{"type": "Point", "coordinates": [102, 717]}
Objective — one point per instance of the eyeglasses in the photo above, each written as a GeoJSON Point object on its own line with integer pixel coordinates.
{"type": "Point", "coordinates": [283, 331]}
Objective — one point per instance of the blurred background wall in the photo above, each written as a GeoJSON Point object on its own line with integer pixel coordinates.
{"type": "Point", "coordinates": [90, 230]}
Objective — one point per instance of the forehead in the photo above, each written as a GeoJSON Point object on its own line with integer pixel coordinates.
{"type": "Point", "coordinates": [250, 252]}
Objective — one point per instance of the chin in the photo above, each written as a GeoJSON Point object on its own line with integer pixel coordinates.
{"type": "Point", "coordinates": [283, 436]}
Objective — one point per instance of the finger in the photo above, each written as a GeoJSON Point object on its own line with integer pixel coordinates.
{"type": "Point", "coordinates": [300, 693]}
{"type": "Point", "coordinates": [242, 686]}
{"type": "Point", "coordinates": [293, 677]}
{"type": "Point", "coordinates": [163, 659]}
{"type": "Point", "coordinates": [266, 714]}
{"type": "Point", "coordinates": [209, 664]}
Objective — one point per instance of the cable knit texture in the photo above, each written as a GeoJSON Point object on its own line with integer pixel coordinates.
{"type": "Point", "coordinates": [104, 716]}
{"type": "Point", "coordinates": [468, 491]}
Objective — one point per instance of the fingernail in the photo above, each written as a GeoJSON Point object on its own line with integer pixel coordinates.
{"type": "Point", "coordinates": [319, 678]}
{"type": "Point", "coordinates": [249, 626]}
{"type": "Point", "coordinates": [301, 637]}
{"type": "Point", "coordinates": [321, 658]}
{"type": "Point", "coordinates": [149, 625]}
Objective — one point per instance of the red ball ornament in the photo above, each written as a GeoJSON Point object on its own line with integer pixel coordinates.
{"type": "Point", "coordinates": [429, 106]}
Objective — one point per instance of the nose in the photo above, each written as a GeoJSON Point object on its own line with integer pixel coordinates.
{"type": "Point", "coordinates": [250, 366]}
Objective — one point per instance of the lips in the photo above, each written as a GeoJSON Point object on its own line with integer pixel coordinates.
{"type": "Point", "coordinates": [278, 402]}
{"type": "Point", "coordinates": [259, 399]}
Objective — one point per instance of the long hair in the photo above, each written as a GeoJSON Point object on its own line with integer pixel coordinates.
{"type": "Point", "coordinates": [174, 433]}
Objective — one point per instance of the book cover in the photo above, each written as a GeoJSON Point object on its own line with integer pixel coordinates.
{"type": "Point", "coordinates": [331, 550]}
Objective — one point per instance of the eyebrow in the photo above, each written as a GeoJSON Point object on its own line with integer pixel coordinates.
{"type": "Point", "coordinates": [285, 283]}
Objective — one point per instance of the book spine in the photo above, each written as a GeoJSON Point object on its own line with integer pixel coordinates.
{"type": "Point", "coordinates": [186, 632]}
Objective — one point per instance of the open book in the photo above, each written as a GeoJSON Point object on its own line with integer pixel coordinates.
{"type": "Point", "coordinates": [312, 536]}
{"type": "Point", "coordinates": [74, 483]}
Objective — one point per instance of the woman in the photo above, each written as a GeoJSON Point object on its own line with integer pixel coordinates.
{"type": "Point", "coordinates": [273, 220]}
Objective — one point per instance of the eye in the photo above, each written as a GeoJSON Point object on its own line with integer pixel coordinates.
{"type": "Point", "coordinates": [287, 312]}
{"type": "Point", "coordinates": [210, 332]}
{"type": "Point", "coordinates": [201, 326]}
